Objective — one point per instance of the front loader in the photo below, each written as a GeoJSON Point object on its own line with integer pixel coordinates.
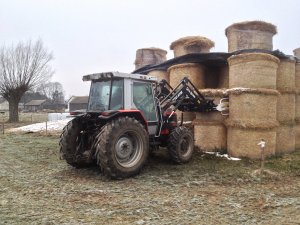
{"type": "Point", "coordinates": [127, 115]}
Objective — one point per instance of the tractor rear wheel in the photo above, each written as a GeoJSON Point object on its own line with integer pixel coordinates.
{"type": "Point", "coordinates": [181, 145]}
{"type": "Point", "coordinates": [122, 148]}
{"type": "Point", "coordinates": [73, 145]}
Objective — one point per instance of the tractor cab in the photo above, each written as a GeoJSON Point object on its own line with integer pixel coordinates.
{"type": "Point", "coordinates": [114, 91]}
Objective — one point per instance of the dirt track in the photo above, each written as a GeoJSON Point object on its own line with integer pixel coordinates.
{"type": "Point", "coordinates": [38, 188]}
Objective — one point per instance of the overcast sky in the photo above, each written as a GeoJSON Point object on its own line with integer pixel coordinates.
{"type": "Point", "coordinates": [88, 36]}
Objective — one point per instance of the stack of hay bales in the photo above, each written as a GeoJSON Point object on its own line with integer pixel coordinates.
{"type": "Point", "coordinates": [250, 35]}
{"type": "Point", "coordinates": [252, 90]}
{"type": "Point", "coordinates": [148, 56]}
{"type": "Point", "coordinates": [253, 104]}
{"type": "Point", "coordinates": [210, 132]}
{"type": "Point", "coordinates": [194, 71]}
{"type": "Point", "coordinates": [286, 106]}
{"type": "Point", "coordinates": [297, 112]}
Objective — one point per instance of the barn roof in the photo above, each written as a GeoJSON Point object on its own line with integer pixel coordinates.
{"type": "Point", "coordinates": [79, 99]}
{"type": "Point", "coordinates": [35, 102]}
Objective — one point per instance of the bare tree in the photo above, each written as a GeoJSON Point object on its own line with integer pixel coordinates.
{"type": "Point", "coordinates": [22, 68]}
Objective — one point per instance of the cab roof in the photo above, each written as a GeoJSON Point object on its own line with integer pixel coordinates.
{"type": "Point", "coordinates": [105, 75]}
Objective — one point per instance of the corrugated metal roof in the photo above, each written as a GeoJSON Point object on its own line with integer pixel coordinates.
{"type": "Point", "coordinates": [79, 99]}
{"type": "Point", "coordinates": [35, 102]}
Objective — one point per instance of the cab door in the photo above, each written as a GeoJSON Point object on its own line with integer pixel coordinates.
{"type": "Point", "coordinates": [143, 100]}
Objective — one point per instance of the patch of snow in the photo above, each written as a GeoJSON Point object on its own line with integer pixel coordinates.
{"type": "Point", "coordinates": [57, 116]}
{"type": "Point", "coordinates": [217, 154]}
{"type": "Point", "coordinates": [39, 127]}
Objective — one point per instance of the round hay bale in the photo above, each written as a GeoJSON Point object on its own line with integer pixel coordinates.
{"type": "Point", "coordinates": [217, 95]}
{"type": "Point", "coordinates": [253, 107]}
{"type": "Point", "coordinates": [285, 139]}
{"type": "Point", "coordinates": [195, 72]}
{"type": "Point", "coordinates": [243, 142]}
{"type": "Point", "coordinates": [191, 44]}
{"type": "Point", "coordinates": [160, 74]}
{"type": "Point", "coordinates": [297, 136]}
{"type": "Point", "coordinates": [286, 108]}
{"type": "Point", "coordinates": [297, 107]}
{"type": "Point", "coordinates": [297, 76]}
{"type": "Point", "coordinates": [210, 136]}
{"type": "Point", "coordinates": [250, 35]}
{"type": "Point", "coordinates": [286, 75]}
{"type": "Point", "coordinates": [187, 116]}
{"type": "Point", "coordinates": [297, 52]}
{"type": "Point", "coordinates": [148, 56]}
{"type": "Point", "coordinates": [253, 70]}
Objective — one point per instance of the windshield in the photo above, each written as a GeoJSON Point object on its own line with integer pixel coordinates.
{"type": "Point", "coordinates": [100, 92]}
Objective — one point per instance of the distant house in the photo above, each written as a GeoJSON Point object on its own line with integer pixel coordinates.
{"type": "Point", "coordinates": [57, 106]}
{"type": "Point", "coordinates": [78, 103]}
{"type": "Point", "coordinates": [35, 105]}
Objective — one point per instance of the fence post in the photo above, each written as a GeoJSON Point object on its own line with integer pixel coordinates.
{"type": "Point", "coordinates": [46, 128]}
{"type": "Point", "coordinates": [262, 145]}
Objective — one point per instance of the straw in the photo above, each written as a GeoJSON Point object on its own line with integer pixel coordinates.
{"type": "Point", "coordinates": [210, 136]}
{"type": "Point", "coordinates": [285, 139]}
{"type": "Point", "coordinates": [191, 44]}
{"type": "Point", "coordinates": [160, 74]}
{"type": "Point", "coordinates": [250, 35]}
{"type": "Point", "coordinates": [243, 142]}
{"type": "Point", "coordinates": [149, 56]}
{"type": "Point", "coordinates": [253, 70]}
{"type": "Point", "coordinates": [195, 72]}
{"type": "Point", "coordinates": [286, 108]}
{"type": "Point", "coordinates": [286, 75]}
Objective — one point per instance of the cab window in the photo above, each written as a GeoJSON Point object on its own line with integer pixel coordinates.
{"type": "Point", "coordinates": [143, 100]}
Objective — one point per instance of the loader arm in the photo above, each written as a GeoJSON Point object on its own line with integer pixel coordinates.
{"type": "Point", "coordinates": [184, 97]}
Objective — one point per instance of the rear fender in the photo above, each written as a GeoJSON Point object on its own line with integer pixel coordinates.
{"type": "Point", "coordinates": [113, 114]}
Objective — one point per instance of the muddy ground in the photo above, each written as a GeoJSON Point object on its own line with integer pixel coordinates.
{"type": "Point", "coordinates": [36, 187]}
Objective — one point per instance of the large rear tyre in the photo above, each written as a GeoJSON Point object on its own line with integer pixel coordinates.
{"type": "Point", "coordinates": [181, 145]}
{"type": "Point", "coordinates": [122, 148]}
{"type": "Point", "coordinates": [74, 144]}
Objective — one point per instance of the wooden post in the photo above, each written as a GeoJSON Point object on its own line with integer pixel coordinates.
{"type": "Point", "coordinates": [262, 165]}
{"type": "Point", "coordinates": [46, 128]}
{"type": "Point", "coordinates": [262, 145]}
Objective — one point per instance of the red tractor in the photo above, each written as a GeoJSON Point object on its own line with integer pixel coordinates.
{"type": "Point", "coordinates": [127, 115]}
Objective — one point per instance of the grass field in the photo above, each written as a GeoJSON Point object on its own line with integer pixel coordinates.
{"type": "Point", "coordinates": [39, 188]}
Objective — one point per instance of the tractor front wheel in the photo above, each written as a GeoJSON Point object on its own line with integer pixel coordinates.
{"type": "Point", "coordinates": [122, 148]}
{"type": "Point", "coordinates": [181, 145]}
